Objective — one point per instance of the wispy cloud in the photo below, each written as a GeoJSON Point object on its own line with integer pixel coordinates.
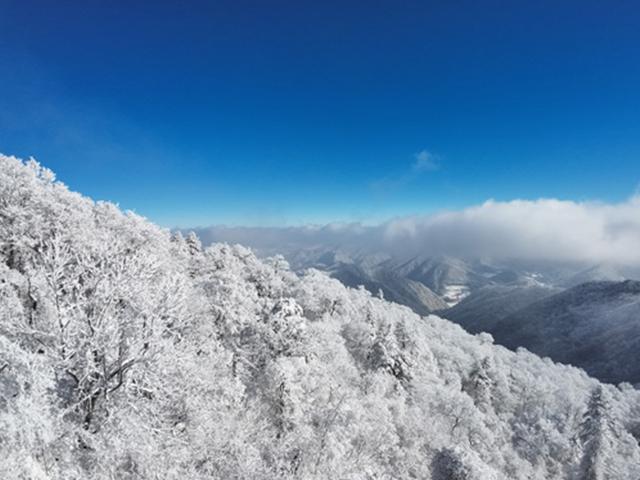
{"type": "Point", "coordinates": [423, 162]}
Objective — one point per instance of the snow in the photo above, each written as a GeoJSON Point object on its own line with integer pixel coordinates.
{"type": "Point", "coordinates": [454, 294]}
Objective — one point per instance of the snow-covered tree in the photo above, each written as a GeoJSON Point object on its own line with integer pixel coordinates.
{"type": "Point", "coordinates": [606, 452]}
{"type": "Point", "coordinates": [480, 384]}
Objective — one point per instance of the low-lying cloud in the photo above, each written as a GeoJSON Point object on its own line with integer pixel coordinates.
{"type": "Point", "coordinates": [538, 230]}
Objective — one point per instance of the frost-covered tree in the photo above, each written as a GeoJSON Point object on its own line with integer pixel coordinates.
{"type": "Point", "coordinates": [193, 243]}
{"type": "Point", "coordinates": [605, 444]}
{"type": "Point", "coordinates": [480, 384]}
{"type": "Point", "coordinates": [447, 465]}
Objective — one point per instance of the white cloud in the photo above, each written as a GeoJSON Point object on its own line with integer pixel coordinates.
{"type": "Point", "coordinates": [425, 162]}
{"type": "Point", "coordinates": [539, 230]}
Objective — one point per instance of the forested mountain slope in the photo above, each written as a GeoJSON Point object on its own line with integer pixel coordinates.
{"type": "Point", "coordinates": [484, 308]}
{"type": "Point", "coordinates": [126, 353]}
{"type": "Point", "coordinates": [595, 326]}
{"type": "Point", "coordinates": [395, 288]}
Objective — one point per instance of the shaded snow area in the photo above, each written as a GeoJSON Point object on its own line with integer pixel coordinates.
{"type": "Point", "coordinates": [454, 294]}
{"type": "Point", "coordinates": [130, 353]}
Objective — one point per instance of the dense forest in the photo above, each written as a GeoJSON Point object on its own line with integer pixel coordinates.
{"type": "Point", "coordinates": [129, 352]}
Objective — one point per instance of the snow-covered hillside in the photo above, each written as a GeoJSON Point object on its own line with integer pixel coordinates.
{"type": "Point", "coordinates": [128, 353]}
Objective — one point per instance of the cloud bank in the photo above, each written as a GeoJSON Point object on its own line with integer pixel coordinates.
{"type": "Point", "coordinates": [536, 230]}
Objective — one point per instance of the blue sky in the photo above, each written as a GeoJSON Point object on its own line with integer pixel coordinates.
{"type": "Point", "coordinates": [270, 113]}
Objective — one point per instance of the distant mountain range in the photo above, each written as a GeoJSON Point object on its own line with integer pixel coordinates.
{"type": "Point", "coordinates": [426, 284]}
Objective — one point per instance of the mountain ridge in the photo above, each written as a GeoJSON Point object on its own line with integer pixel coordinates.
{"type": "Point", "coordinates": [594, 325]}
